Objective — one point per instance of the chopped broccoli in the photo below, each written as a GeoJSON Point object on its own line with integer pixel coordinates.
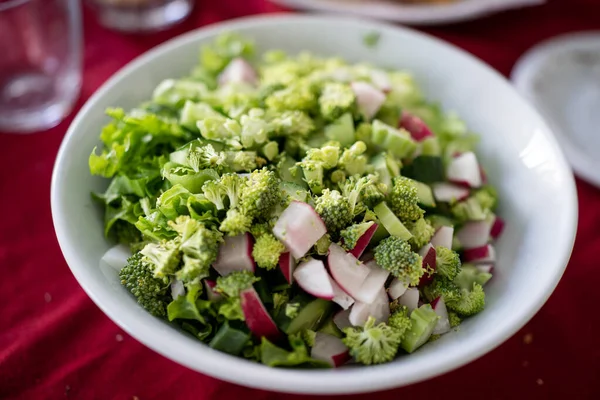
{"type": "Point", "coordinates": [255, 129]}
{"type": "Point", "coordinates": [232, 186]}
{"type": "Point", "coordinates": [260, 194]}
{"type": "Point", "coordinates": [373, 194]}
{"type": "Point", "coordinates": [372, 344]}
{"type": "Point", "coordinates": [422, 232]}
{"type": "Point", "coordinates": [447, 262]}
{"type": "Point", "coordinates": [200, 251]}
{"type": "Point", "coordinates": [335, 211]}
{"type": "Point", "coordinates": [163, 257]}
{"type": "Point", "coordinates": [292, 123]}
{"type": "Point", "coordinates": [353, 160]}
{"type": "Point", "coordinates": [487, 197]}
{"type": "Point", "coordinates": [400, 320]}
{"type": "Point", "coordinates": [328, 154]}
{"type": "Point", "coordinates": [292, 309]}
{"type": "Point", "coordinates": [468, 210]}
{"type": "Point", "coordinates": [465, 302]}
{"type": "Point", "coordinates": [455, 319]}
{"type": "Point", "coordinates": [351, 234]}
{"type": "Point", "coordinates": [266, 251]}
{"type": "Point", "coordinates": [235, 223]}
{"type": "Point", "coordinates": [151, 292]}
{"type": "Point", "coordinates": [469, 274]}
{"type": "Point", "coordinates": [352, 189]}
{"type": "Point", "coordinates": [403, 200]}
{"type": "Point", "coordinates": [395, 255]}
{"type": "Point", "coordinates": [297, 96]}
{"type": "Point", "coordinates": [239, 161]}
{"type": "Point", "coordinates": [336, 98]}
{"type": "Point", "coordinates": [322, 245]}
{"type": "Point", "coordinates": [203, 157]}
{"type": "Point", "coordinates": [215, 193]}
{"type": "Point", "coordinates": [231, 286]}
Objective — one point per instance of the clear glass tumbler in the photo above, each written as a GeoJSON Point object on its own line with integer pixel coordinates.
{"type": "Point", "coordinates": [40, 62]}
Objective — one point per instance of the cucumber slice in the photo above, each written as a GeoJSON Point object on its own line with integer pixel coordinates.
{"type": "Point", "coordinates": [342, 130]}
{"type": "Point", "coordinates": [431, 147]}
{"type": "Point", "coordinates": [423, 321]}
{"type": "Point", "coordinates": [229, 340]}
{"type": "Point", "coordinates": [425, 194]}
{"type": "Point", "coordinates": [391, 223]}
{"type": "Point", "coordinates": [311, 314]}
{"type": "Point", "coordinates": [427, 169]}
{"type": "Point", "coordinates": [396, 141]}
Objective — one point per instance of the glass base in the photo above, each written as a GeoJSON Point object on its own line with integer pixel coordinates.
{"type": "Point", "coordinates": [143, 18]}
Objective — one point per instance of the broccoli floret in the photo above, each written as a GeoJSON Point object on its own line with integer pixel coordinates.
{"type": "Point", "coordinates": [487, 197]}
{"type": "Point", "coordinates": [354, 232]}
{"type": "Point", "coordinates": [163, 257]}
{"type": "Point", "coordinates": [373, 194]}
{"type": "Point", "coordinates": [328, 154]}
{"type": "Point", "coordinates": [205, 157]}
{"type": "Point", "coordinates": [231, 286]}
{"type": "Point", "coordinates": [313, 175]}
{"type": "Point", "coordinates": [372, 344]}
{"type": "Point", "coordinates": [266, 251]}
{"type": "Point", "coordinates": [447, 262]}
{"type": "Point", "coordinates": [151, 293]}
{"type": "Point", "coordinates": [200, 251]}
{"type": "Point", "coordinates": [215, 193]}
{"type": "Point", "coordinates": [255, 129]}
{"type": "Point", "coordinates": [336, 99]}
{"type": "Point", "coordinates": [232, 186]}
{"type": "Point", "coordinates": [403, 200]}
{"type": "Point", "coordinates": [443, 287]}
{"type": "Point", "coordinates": [291, 310]}
{"type": "Point", "coordinates": [126, 233]}
{"type": "Point", "coordinates": [308, 336]}
{"type": "Point", "coordinates": [239, 161]}
{"type": "Point", "coordinates": [353, 160]}
{"type": "Point", "coordinates": [335, 211]}
{"type": "Point", "coordinates": [260, 194]}
{"type": "Point", "coordinates": [322, 245]}
{"type": "Point", "coordinates": [294, 97]}
{"type": "Point", "coordinates": [465, 302]}
{"type": "Point", "coordinates": [235, 223]}
{"type": "Point", "coordinates": [422, 232]}
{"type": "Point", "coordinates": [352, 189]}
{"type": "Point", "coordinates": [468, 210]}
{"type": "Point", "coordinates": [396, 255]}
{"type": "Point", "coordinates": [316, 161]}
{"type": "Point", "coordinates": [400, 320]}
{"type": "Point", "coordinates": [292, 123]}
{"type": "Point", "coordinates": [469, 274]}
{"type": "Point", "coordinates": [454, 318]}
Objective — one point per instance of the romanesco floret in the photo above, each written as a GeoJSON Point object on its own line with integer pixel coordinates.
{"type": "Point", "coordinates": [336, 99]}
{"type": "Point", "coordinates": [351, 234]}
{"type": "Point", "coordinates": [163, 257]}
{"type": "Point", "coordinates": [151, 293]}
{"type": "Point", "coordinates": [447, 262]}
{"type": "Point", "coordinates": [215, 193]}
{"type": "Point", "coordinates": [395, 255]}
{"type": "Point", "coordinates": [335, 211]}
{"type": "Point", "coordinates": [260, 194]}
{"type": "Point", "coordinates": [400, 320]}
{"type": "Point", "coordinates": [422, 232]}
{"type": "Point", "coordinates": [372, 344]}
{"type": "Point", "coordinates": [231, 286]}
{"type": "Point", "coordinates": [403, 200]}
{"type": "Point", "coordinates": [235, 223]}
{"type": "Point", "coordinates": [266, 251]}
{"type": "Point", "coordinates": [353, 159]}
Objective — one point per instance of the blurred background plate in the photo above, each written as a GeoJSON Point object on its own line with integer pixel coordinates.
{"type": "Point", "coordinates": [413, 12]}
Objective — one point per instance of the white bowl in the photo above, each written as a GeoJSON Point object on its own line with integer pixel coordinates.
{"type": "Point", "coordinates": [538, 198]}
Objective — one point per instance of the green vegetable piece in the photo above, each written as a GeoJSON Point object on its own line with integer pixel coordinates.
{"type": "Point", "coordinates": [468, 275]}
{"type": "Point", "coordinates": [330, 328]}
{"type": "Point", "coordinates": [448, 263]}
{"type": "Point", "coordinates": [396, 141]}
{"type": "Point", "coordinates": [391, 223]}
{"type": "Point", "coordinates": [311, 313]}
{"type": "Point", "coordinates": [354, 232]}
{"type": "Point", "coordinates": [396, 256]}
{"type": "Point", "coordinates": [186, 307]}
{"type": "Point", "coordinates": [426, 169]}
{"type": "Point", "coordinates": [335, 100]}
{"type": "Point", "coordinates": [421, 231]}
{"type": "Point", "coordinates": [423, 321]}
{"type": "Point", "coordinates": [400, 320]}
{"type": "Point", "coordinates": [372, 344]}
{"type": "Point", "coordinates": [404, 200]}
{"type": "Point", "coordinates": [341, 130]}
{"type": "Point", "coordinates": [229, 340]}
{"type": "Point", "coordinates": [274, 356]}
{"type": "Point", "coordinates": [371, 39]}
{"type": "Point", "coordinates": [335, 211]}
{"type": "Point", "coordinates": [425, 194]}
{"type": "Point", "coordinates": [150, 292]}
{"type": "Point", "coordinates": [431, 147]}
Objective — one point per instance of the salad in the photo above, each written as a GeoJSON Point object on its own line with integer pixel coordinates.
{"type": "Point", "coordinates": [297, 211]}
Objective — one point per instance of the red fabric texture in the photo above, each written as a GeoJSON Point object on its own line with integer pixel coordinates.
{"type": "Point", "coordinates": [56, 344]}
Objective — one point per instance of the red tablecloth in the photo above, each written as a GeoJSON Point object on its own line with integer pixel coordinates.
{"type": "Point", "coordinates": [55, 343]}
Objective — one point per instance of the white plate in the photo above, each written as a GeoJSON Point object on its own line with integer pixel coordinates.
{"type": "Point", "coordinates": [417, 14]}
{"type": "Point", "coordinates": [520, 154]}
{"type": "Point", "coordinates": [561, 77]}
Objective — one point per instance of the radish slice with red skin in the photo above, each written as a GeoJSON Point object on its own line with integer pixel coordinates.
{"type": "Point", "coordinates": [497, 227]}
{"type": "Point", "coordinates": [443, 324]}
{"type": "Point", "coordinates": [368, 98]}
{"type": "Point", "coordinates": [448, 192]}
{"type": "Point", "coordinates": [340, 297]}
{"type": "Point", "coordinates": [238, 71]}
{"type": "Point", "coordinates": [483, 254]}
{"type": "Point", "coordinates": [474, 234]}
{"type": "Point", "coordinates": [443, 237]}
{"type": "Point", "coordinates": [346, 270]}
{"type": "Point", "coordinates": [312, 277]}
{"type": "Point", "coordinates": [464, 169]}
{"type": "Point", "coordinates": [210, 292]}
{"type": "Point", "coordinates": [428, 254]}
{"type": "Point", "coordinates": [410, 299]}
{"type": "Point", "coordinates": [235, 254]}
{"type": "Point", "coordinates": [381, 80]}
{"type": "Point", "coordinates": [373, 284]}
{"type": "Point", "coordinates": [397, 288]}
{"type": "Point", "coordinates": [286, 266]}
{"type": "Point", "coordinates": [363, 241]}
{"type": "Point", "coordinates": [486, 268]}
{"type": "Point", "coordinates": [379, 309]}
{"type": "Point", "coordinates": [341, 319]}
{"type": "Point", "coordinates": [330, 349]}
{"type": "Point", "coordinates": [299, 227]}
{"type": "Point", "coordinates": [257, 317]}
{"type": "Point", "coordinates": [415, 126]}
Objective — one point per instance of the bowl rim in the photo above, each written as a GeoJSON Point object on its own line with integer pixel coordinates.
{"type": "Point", "coordinates": [221, 365]}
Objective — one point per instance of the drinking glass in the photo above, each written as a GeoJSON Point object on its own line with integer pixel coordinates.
{"type": "Point", "coordinates": [40, 62]}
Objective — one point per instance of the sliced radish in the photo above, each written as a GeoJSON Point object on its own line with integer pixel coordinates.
{"type": "Point", "coordinates": [379, 309]}
{"type": "Point", "coordinates": [346, 270]}
{"type": "Point", "coordinates": [415, 126]}
{"type": "Point", "coordinates": [449, 193]}
{"type": "Point", "coordinates": [210, 290]}
{"type": "Point", "coordinates": [464, 169]}
{"type": "Point", "coordinates": [368, 98]}
{"type": "Point", "coordinates": [177, 289]}
{"type": "Point", "coordinates": [373, 284]}
{"type": "Point", "coordinates": [497, 227]}
{"type": "Point", "coordinates": [410, 299]}
{"type": "Point", "coordinates": [397, 288]}
{"type": "Point", "coordinates": [342, 319]}
{"type": "Point", "coordinates": [474, 234]}
{"type": "Point", "coordinates": [330, 349]}
{"type": "Point", "coordinates": [485, 268]}
{"type": "Point", "coordinates": [238, 71]}
{"type": "Point", "coordinates": [287, 265]}
{"type": "Point", "coordinates": [257, 317]}
{"type": "Point", "coordinates": [299, 227]}
{"type": "Point", "coordinates": [363, 241]}
{"type": "Point", "coordinates": [116, 257]}
{"type": "Point", "coordinates": [443, 324]}
{"type": "Point", "coordinates": [428, 254]}
{"type": "Point", "coordinates": [483, 254]}
{"type": "Point", "coordinates": [312, 277]}
{"type": "Point", "coordinates": [381, 80]}
{"type": "Point", "coordinates": [443, 237]}
{"type": "Point", "coordinates": [235, 254]}
{"type": "Point", "coordinates": [340, 297]}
